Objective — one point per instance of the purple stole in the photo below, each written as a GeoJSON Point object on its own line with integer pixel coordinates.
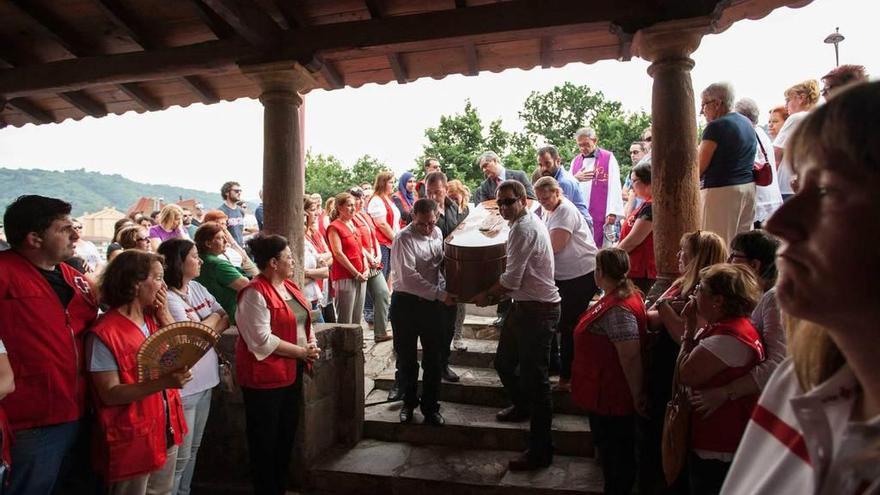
{"type": "Point", "coordinates": [598, 190]}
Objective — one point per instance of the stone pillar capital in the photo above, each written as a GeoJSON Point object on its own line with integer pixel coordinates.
{"type": "Point", "coordinates": [670, 41]}
{"type": "Point", "coordinates": [281, 79]}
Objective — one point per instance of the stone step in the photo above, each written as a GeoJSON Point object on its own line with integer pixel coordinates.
{"type": "Point", "coordinates": [481, 387]}
{"type": "Point", "coordinates": [374, 466]}
{"type": "Point", "coordinates": [480, 353]}
{"type": "Point", "coordinates": [479, 327]}
{"type": "Point", "coordinates": [470, 427]}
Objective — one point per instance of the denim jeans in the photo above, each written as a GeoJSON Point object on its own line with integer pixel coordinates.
{"type": "Point", "coordinates": [522, 362]}
{"type": "Point", "coordinates": [38, 455]}
{"type": "Point", "coordinates": [196, 408]}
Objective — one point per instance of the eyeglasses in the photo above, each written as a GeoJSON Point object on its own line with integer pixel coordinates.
{"type": "Point", "coordinates": [143, 239]}
{"type": "Point", "coordinates": [703, 105]}
{"type": "Point", "coordinates": [507, 201]}
{"type": "Point", "coordinates": [236, 190]}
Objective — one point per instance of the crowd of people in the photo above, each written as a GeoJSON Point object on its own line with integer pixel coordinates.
{"type": "Point", "coordinates": [774, 404]}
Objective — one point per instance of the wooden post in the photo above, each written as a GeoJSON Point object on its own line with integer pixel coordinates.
{"type": "Point", "coordinates": [674, 174]}
{"type": "Point", "coordinates": [283, 152]}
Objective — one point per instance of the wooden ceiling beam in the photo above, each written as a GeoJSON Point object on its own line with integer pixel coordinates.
{"type": "Point", "coordinates": [460, 4]}
{"type": "Point", "coordinates": [55, 28]}
{"type": "Point", "coordinates": [546, 52]}
{"type": "Point", "coordinates": [292, 12]}
{"type": "Point", "coordinates": [140, 96]}
{"type": "Point", "coordinates": [249, 20]}
{"type": "Point", "coordinates": [470, 54]}
{"type": "Point", "coordinates": [36, 114]}
{"type": "Point", "coordinates": [84, 103]}
{"type": "Point", "coordinates": [374, 7]}
{"type": "Point", "coordinates": [200, 88]}
{"type": "Point", "coordinates": [330, 74]}
{"type": "Point", "coordinates": [215, 23]}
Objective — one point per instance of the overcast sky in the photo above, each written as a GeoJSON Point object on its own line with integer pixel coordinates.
{"type": "Point", "coordinates": [203, 146]}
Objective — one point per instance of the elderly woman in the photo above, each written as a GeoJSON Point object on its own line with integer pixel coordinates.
{"type": "Point", "coordinates": [607, 376]}
{"type": "Point", "coordinates": [316, 262]}
{"type": "Point", "coordinates": [826, 397]}
{"type": "Point", "coordinates": [189, 300]}
{"type": "Point", "coordinates": [405, 196]}
{"type": "Point", "coordinates": [169, 226]}
{"type": "Point", "coordinates": [377, 292]}
{"type": "Point", "coordinates": [757, 250]}
{"type": "Point", "coordinates": [778, 116]}
{"type": "Point", "coordinates": [140, 424]}
{"type": "Point", "coordinates": [637, 231]}
{"type": "Point", "coordinates": [349, 271]}
{"type": "Point", "coordinates": [727, 347]}
{"type": "Point", "coordinates": [726, 159]}
{"type": "Point", "coordinates": [699, 250]}
{"type": "Point", "coordinates": [799, 100]}
{"type": "Point", "coordinates": [767, 198]}
{"type": "Point", "coordinates": [270, 357]}
{"type": "Point", "coordinates": [218, 275]}
{"type": "Point", "coordinates": [574, 254]}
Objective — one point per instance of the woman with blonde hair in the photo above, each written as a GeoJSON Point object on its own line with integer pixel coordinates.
{"type": "Point", "coordinates": [459, 193]}
{"type": "Point", "coordinates": [713, 355]}
{"type": "Point", "coordinates": [799, 100]}
{"type": "Point", "coordinates": [169, 226]}
{"type": "Point", "coordinates": [816, 428]}
{"type": "Point", "coordinates": [349, 271]}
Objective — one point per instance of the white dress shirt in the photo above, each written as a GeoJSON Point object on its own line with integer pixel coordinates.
{"type": "Point", "coordinates": [529, 270]}
{"type": "Point", "coordinates": [416, 261]}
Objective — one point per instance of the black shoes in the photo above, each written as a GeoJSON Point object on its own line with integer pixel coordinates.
{"type": "Point", "coordinates": [528, 462]}
{"type": "Point", "coordinates": [434, 419]}
{"type": "Point", "coordinates": [448, 375]}
{"type": "Point", "coordinates": [512, 415]}
{"type": "Point", "coordinates": [406, 414]}
{"type": "Point", "coordinates": [395, 394]}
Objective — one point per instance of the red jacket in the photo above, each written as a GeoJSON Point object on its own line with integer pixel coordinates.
{"type": "Point", "coordinates": [641, 259]}
{"type": "Point", "coordinates": [274, 371]}
{"type": "Point", "coordinates": [44, 342]}
{"type": "Point", "coordinates": [598, 383]}
{"type": "Point", "coordinates": [723, 429]}
{"type": "Point", "coordinates": [351, 249]}
{"type": "Point", "coordinates": [131, 438]}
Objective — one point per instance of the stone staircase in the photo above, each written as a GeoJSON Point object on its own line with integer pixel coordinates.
{"type": "Point", "coordinates": [469, 454]}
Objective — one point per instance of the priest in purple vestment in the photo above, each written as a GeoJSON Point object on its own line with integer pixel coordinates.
{"type": "Point", "coordinates": [598, 175]}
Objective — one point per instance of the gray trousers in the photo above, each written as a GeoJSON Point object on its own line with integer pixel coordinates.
{"type": "Point", "coordinates": [156, 483]}
{"type": "Point", "coordinates": [377, 288]}
{"type": "Point", "coordinates": [349, 300]}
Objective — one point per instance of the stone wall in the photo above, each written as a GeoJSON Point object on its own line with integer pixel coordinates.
{"type": "Point", "coordinates": [331, 413]}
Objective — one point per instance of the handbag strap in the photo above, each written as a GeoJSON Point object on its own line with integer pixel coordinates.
{"type": "Point", "coordinates": [761, 145]}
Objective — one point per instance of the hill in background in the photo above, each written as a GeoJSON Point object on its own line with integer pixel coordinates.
{"type": "Point", "coordinates": [91, 191]}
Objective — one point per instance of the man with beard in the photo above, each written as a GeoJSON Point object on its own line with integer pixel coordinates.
{"type": "Point", "coordinates": [548, 164]}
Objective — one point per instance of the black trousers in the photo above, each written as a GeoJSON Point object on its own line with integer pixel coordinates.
{"type": "Point", "coordinates": [706, 475]}
{"type": "Point", "coordinates": [576, 295]}
{"type": "Point", "coordinates": [615, 439]}
{"type": "Point", "coordinates": [415, 318]}
{"type": "Point", "coordinates": [272, 417]}
{"type": "Point", "coordinates": [522, 362]}
{"type": "Point", "coordinates": [449, 314]}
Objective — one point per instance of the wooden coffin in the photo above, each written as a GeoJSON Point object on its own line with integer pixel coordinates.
{"type": "Point", "coordinates": [475, 252]}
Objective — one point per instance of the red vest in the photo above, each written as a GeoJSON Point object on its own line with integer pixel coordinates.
{"type": "Point", "coordinates": [723, 429]}
{"type": "Point", "coordinates": [44, 342]}
{"type": "Point", "coordinates": [367, 228]}
{"type": "Point", "coordinates": [351, 248]}
{"type": "Point", "coordinates": [597, 380]}
{"type": "Point", "coordinates": [404, 205]}
{"type": "Point", "coordinates": [6, 438]}
{"type": "Point", "coordinates": [641, 259]}
{"type": "Point", "coordinates": [131, 437]}
{"type": "Point", "coordinates": [274, 371]}
{"type": "Point", "coordinates": [389, 219]}
{"type": "Point", "coordinates": [323, 221]}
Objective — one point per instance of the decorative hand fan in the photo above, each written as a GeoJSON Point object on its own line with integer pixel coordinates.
{"type": "Point", "coordinates": [173, 346]}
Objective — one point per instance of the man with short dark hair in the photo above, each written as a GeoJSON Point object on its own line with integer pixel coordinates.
{"type": "Point", "coordinates": [522, 359]}
{"type": "Point", "coordinates": [231, 193]}
{"type": "Point", "coordinates": [548, 164]}
{"type": "Point", "coordinates": [416, 310]}
{"type": "Point", "coordinates": [45, 308]}
{"type": "Point", "coordinates": [448, 218]}
{"type": "Point", "coordinates": [430, 165]}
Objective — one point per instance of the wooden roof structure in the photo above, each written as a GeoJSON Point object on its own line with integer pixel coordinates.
{"type": "Point", "coordinates": [67, 59]}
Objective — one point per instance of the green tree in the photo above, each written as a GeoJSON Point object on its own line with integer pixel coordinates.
{"type": "Point", "coordinates": [365, 170]}
{"type": "Point", "coordinates": [325, 175]}
{"type": "Point", "coordinates": [553, 117]}
{"type": "Point", "coordinates": [460, 139]}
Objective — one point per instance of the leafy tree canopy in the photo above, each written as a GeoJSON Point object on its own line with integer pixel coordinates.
{"type": "Point", "coordinates": [327, 176]}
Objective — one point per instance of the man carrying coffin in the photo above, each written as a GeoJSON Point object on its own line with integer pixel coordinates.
{"type": "Point", "coordinates": [598, 173]}
{"type": "Point", "coordinates": [529, 325]}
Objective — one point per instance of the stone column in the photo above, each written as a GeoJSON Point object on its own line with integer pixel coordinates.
{"type": "Point", "coordinates": [675, 181]}
{"type": "Point", "coordinates": [283, 151]}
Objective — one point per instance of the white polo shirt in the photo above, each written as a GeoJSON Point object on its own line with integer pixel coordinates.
{"type": "Point", "coordinates": [805, 443]}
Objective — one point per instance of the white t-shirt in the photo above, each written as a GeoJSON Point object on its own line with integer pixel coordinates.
{"type": "Point", "coordinates": [196, 306]}
{"type": "Point", "coordinates": [785, 171]}
{"type": "Point", "coordinates": [578, 257]}
{"type": "Point", "coordinates": [767, 198]}
{"type": "Point", "coordinates": [376, 209]}
{"type": "Point", "coordinates": [310, 289]}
